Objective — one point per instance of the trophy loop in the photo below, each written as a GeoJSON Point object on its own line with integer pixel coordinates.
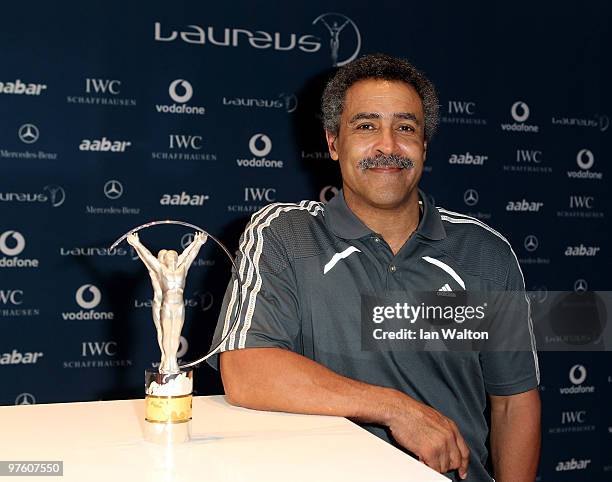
{"type": "Point", "coordinates": [236, 318]}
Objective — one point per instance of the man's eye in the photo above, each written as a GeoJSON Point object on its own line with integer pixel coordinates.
{"type": "Point", "coordinates": [406, 128]}
{"type": "Point", "coordinates": [365, 126]}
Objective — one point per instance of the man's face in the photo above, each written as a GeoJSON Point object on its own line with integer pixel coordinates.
{"type": "Point", "coordinates": [380, 117]}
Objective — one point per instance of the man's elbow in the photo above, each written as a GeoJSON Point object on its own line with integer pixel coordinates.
{"type": "Point", "coordinates": [234, 379]}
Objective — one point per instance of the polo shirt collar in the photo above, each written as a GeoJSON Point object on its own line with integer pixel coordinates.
{"type": "Point", "coordinates": [345, 224]}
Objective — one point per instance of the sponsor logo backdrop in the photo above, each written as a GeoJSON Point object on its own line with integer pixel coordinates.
{"type": "Point", "coordinates": [121, 114]}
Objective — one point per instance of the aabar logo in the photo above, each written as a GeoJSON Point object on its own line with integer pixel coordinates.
{"type": "Point", "coordinates": [524, 206]}
{"type": "Point", "coordinates": [103, 145]}
{"type": "Point", "coordinates": [18, 358]}
{"type": "Point", "coordinates": [184, 199]}
{"type": "Point", "coordinates": [20, 88]}
{"type": "Point", "coordinates": [467, 159]}
{"type": "Point", "coordinates": [582, 250]}
{"type": "Point", "coordinates": [572, 464]}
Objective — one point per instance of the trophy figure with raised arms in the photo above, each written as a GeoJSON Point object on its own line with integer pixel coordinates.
{"type": "Point", "coordinates": [168, 273]}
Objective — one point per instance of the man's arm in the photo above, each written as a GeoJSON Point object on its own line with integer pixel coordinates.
{"type": "Point", "coordinates": [281, 380]}
{"type": "Point", "coordinates": [515, 436]}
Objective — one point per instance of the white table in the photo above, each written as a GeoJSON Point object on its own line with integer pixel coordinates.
{"type": "Point", "coordinates": [102, 441]}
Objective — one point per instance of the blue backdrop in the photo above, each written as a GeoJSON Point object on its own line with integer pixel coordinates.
{"type": "Point", "coordinates": [114, 114]}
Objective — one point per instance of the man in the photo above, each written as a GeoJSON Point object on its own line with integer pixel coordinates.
{"type": "Point", "coordinates": [305, 267]}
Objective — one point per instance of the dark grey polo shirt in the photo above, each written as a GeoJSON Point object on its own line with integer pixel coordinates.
{"type": "Point", "coordinates": [305, 267]}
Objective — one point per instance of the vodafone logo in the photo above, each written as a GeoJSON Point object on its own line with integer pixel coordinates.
{"type": "Point", "coordinates": [256, 140]}
{"type": "Point", "coordinates": [577, 374]}
{"type": "Point", "coordinates": [93, 295]}
{"type": "Point", "coordinates": [519, 111]}
{"type": "Point", "coordinates": [15, 246]}
{"type": "Point", "coordinates": [585, 159]}
{"type": "Point", "coordinates": [185, 88]}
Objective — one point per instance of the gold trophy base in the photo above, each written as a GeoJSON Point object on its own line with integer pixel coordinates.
{"type": "Point", "coordinates": [168, 407]}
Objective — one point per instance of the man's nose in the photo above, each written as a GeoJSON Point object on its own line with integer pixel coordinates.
{"type": "Point", "coordinates": [387, 141]}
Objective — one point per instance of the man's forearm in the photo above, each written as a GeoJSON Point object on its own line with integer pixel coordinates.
{"type": "Point", "coordinates": [515, 436]}
{"type": "Point", "coordinates": [299, 385]}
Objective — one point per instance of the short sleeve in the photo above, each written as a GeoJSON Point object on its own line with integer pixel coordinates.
{"type": "Point", "coordinates": [516, 369]}
{"type": "Point", "coordinates": [269, 314]}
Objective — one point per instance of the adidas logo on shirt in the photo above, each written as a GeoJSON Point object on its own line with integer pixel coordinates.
{"type": "Point", "coordinates": [446, 290]}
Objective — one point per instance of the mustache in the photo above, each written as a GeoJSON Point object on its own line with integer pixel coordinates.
{"type": "Point", "coordinates": [386, 160]}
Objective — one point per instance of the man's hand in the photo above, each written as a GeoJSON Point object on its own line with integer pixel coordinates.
{"type": "Point", "coordinates": [133, 239]}
{"type": "Point", "coordinates": [434, 438]}
{"type": "Point", "coordinates": [281, 380]}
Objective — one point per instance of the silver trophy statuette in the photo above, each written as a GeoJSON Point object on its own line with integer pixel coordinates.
{"type": "Point", "coordinates": [168, 273]}
{"type": "Point", "coordinates": [169, 388]}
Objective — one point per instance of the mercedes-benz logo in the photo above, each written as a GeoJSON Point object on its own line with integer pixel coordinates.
{"type": "Point", "coordinates": [580, 286]}
{"type": "Point", "coordinates": [539, 294]}
{"type": "Point", "coordinates": [470, 197]}
{"type": "Point", "coordinates": [519, 111]}
{"type": "Point", "coordinates": [577, 374]}
{"type": "Point", "coordinates": [585, 159]}
{"type": "Point", "coordinates": [28, 133]}
{"type": "Point", "coordinates": [113, 189]}
{"type": "Point", "coordinates": [531, 243]}
{"type": "Point", "coordinates": [25, 399]}
{"type": "Point", "coordinates": [335, 23]}
{"type": "Point", "coordinates": [186, 240]}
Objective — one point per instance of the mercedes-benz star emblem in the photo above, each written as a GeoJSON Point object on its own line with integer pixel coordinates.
{"type": "Point", "coordinates": [28, 133]}
{"type": "Point", "coordinates": [470, 197]}
{"type": "Point", "coordinates": [25, 399]}
{"type": "Point", "coordinates": [531, 243]}
{"type": "Point", "coordinates": [580, 286]}
{"type": "Point", "coordinates": [113, 189]}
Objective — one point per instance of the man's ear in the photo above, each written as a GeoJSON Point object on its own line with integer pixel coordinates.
{"type": "Point", "coordinates": [331, 145]}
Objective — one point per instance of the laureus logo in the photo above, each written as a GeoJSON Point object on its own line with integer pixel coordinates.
{"type": "Point", "coordinates": [338, 25]}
